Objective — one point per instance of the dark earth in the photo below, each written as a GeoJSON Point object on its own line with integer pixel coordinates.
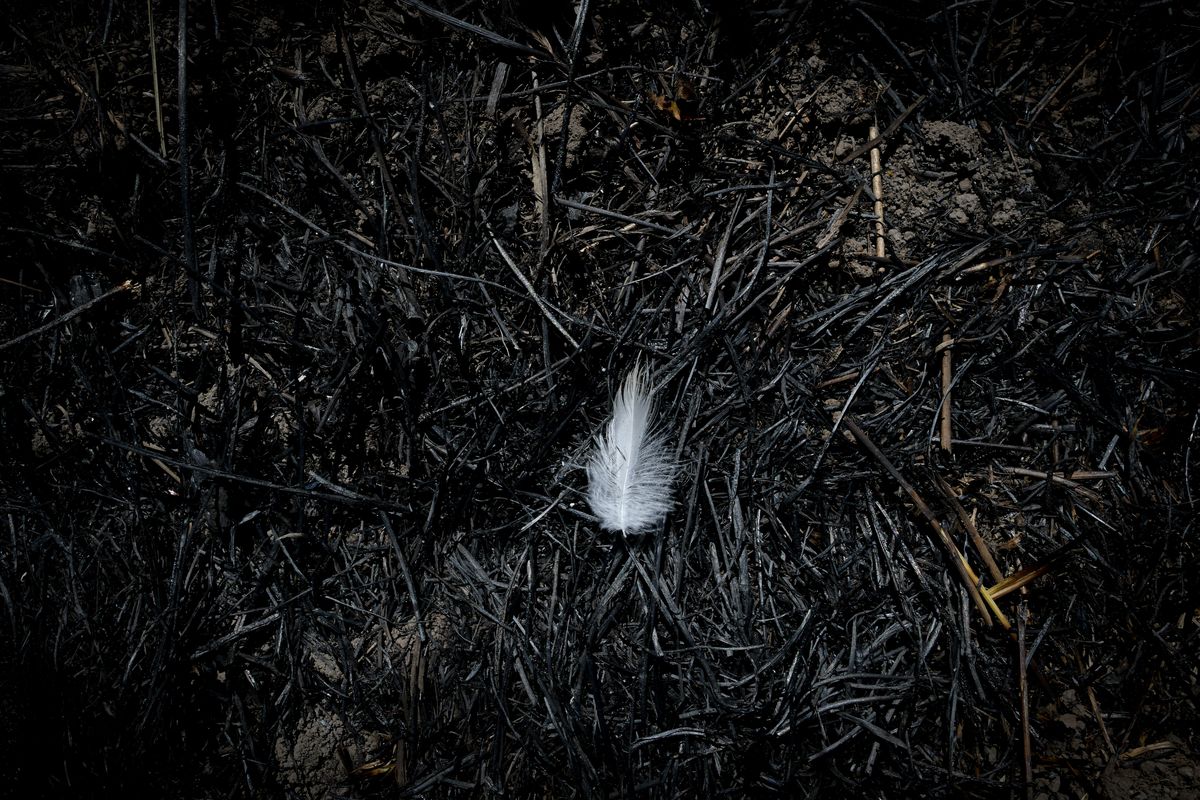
{"type": "Point", "coordinates": [304, 343]}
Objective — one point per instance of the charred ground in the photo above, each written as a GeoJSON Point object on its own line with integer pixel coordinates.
{"type": "Point", "coordinates": [295, 391]}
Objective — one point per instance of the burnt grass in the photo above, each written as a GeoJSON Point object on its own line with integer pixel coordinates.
{"type": "Point", "coordinates": [296, 388]}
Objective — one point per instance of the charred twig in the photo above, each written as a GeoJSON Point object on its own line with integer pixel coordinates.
{"type": "Point", "coordinates": [835, 224]}
{"type": "Point", "coordinates": [1071, 480]}
{"type": "Point", "coordinates": [158, 115]}
{"type": "Point", "coordinates": [946, 436]}
{"type": "Point", "coordinates": [719, 256]}
{"type": "Point", "coordinates": [185, 164]}
{"type": "Point", "coordinates": [68, 316]}
{"type": "Point", "coordinates": [604, 212]}
{"type": "Point", "coordinates": [339, 494]}
{"type": "Point", "coordinates": [491, 36]}
{"type": "Point", "coordinates": [582, 14]}
{"type": "Point", "coordinates": [541, 179]}
{"type": "Point", "coordinates": [879, 139]}
{"type": "Point", "coordinates": [1023, 690]}
{"type": "Point", "coordinates": [981, 546]}
{"type": "Point", "coordinates": [541, 304]}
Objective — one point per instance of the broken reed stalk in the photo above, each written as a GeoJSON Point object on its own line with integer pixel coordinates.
{"type": "Point", "coordinates": [1019, 579]}
{"type": "Point", "coordinates": [983, 601]}
{"type": "Point", "coordinates": [981, 546]}
{"type": "Point", "coordinates": [945, 412]}
{"type": "Point", "coordinates": [1023, 686]}
{"type": "Point", "coordinates": [877, 190]}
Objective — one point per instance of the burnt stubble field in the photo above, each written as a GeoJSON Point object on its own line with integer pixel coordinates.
{"type": "Point", "coordinates": [306, 338]}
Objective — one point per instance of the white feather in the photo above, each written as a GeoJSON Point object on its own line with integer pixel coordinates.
{"type": "Point", "coordinates": [631, 472]}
